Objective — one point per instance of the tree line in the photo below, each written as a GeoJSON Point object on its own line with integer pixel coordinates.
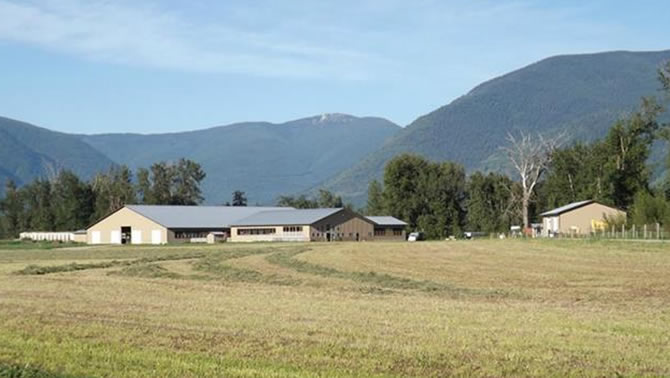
{"type": "Point", "coordinates": [438, 198]}
{"type": "Point", "coordinates": [68, 203]}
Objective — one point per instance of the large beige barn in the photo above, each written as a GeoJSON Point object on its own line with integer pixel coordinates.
{"type": "Point", "coordinates": [150, 224]}
{"type": "Point", "coordinates": [578, 218]}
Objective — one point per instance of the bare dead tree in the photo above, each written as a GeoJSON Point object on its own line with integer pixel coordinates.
{"type": "Point", "coordinates": [530, 156]}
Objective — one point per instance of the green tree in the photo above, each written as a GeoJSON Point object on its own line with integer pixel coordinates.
{"type": "Point", "coordinates": [650, 209]}
{"type": "Point", "coordinates": [299, 202]}
{"type": "Point", "coordinates": [143, 186]}
{"type": "Point", "coordinates": [187, 176]}
{"type": "Point", "coordinates": [72, 203]}
{"type": "Point", "coordinates": [578, 173]}
{"type": "Point", "coordinates": [39, 211]}
{"type": "Point", "coordinates": [113, 190]}
{"type": "Point", "coordinates": [491, 203]}
{"type": "Point", "coordinates": [171, 184]}
{"type": "Point", "coordinates": [628, 145]}
{"type": "Point", "coordinates": [239, 198]}
{"type": "Point", "coordinates": [162, 178]}
{"type": "Point", "coordinates": [329, 200]}
{"type": "Point", "coordinates": [12, 207]}
{"type": "Point", "coordinates": [375, 204]}
{"type": "Point", "coordinates": [428, 196]}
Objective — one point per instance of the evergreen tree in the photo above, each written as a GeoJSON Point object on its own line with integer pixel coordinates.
{"type": "Point", "coordinates": [300, 202]}
{"type": "Point", "coordinates": [375, 204]}
{"type": "Point", "coordinates": [12, 207]}
{"type": "Point", "coordinates": [143, 187]}
{"type": "Point", "coordinates": [72, 203]}
{"type": "Point", "coordinates": [239, 198]}
{"type": "Point", "coordinates": [39, 212]}
{"type": "Point", "coordinates": [329, 200]}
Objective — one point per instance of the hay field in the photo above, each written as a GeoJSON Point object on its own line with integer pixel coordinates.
{"type": "Point", "coordinates": [483, 308]}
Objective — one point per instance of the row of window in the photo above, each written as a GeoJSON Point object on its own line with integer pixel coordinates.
{"type": "Point", "coordinates": [293, 229]}
{"type": "Point", "coordinates": [382, 232]}
{"type": "Point", "coordinates": [189, 235]}
{"type": "Point", "coordinates": [256, 231]}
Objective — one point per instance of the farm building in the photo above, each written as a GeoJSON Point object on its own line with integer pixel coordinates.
{"type": "Point", "coordinates": [578, 218]}
{"type": "Point", "coordinates": [388, 228]}
{"type": "Point", "coordinates": [150, 224]}
{"type": "Point", "coordinates": [155, 224]}
{"type": "Point", "coordinates": [315, 225]}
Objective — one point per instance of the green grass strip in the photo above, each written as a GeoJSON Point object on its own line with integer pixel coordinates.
{"type": "Point", "coordinates": [287, 259]}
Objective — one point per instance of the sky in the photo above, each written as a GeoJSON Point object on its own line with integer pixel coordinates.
{"type": "Point", "coordinates": [153, 66]}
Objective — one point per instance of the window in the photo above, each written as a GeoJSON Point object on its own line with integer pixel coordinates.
{"type": "Point", "coordinates": [397, 232]}
{"type": "Point", "coordinates": [190, 234]}
{"type": "Point", "coordinates": [380, 232]}
{"type": "Point", "coordinates": [293, 229]}
{"type": "Point", "coordinates": [256, 231]}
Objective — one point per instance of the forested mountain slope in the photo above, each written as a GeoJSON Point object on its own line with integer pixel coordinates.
{"type": "Point", "coordinates": [263, 159]}
{"type": "Point", "coordinates": [581, 94]}
{"type": "Point", "coordinates": [28, 152]}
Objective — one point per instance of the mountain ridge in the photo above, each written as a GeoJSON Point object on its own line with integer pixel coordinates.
{"type": "Point", "coordinates": [580, 93]}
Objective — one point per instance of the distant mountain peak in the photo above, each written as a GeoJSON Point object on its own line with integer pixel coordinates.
{"type": "Point", "coordinates": [332, 118]}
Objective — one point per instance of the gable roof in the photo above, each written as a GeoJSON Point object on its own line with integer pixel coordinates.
{"type": "Point", "coordinates": [566, 208]}
{"type": "Point", "coordinates": [198, 216]}
{"type": "Point", "coordinates": [387, 221]}
{"type": "Point", "coordinates": [287, 217]}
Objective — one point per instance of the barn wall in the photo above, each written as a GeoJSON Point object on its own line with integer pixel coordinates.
{"type": "Point", "coordinates": [343, 225]}
{"type": "Point", "coordinates": [125, 218]}
{"type": "Point", "coordinates": [582, 217]}
{"type": "Point", "coordinates": [278, 235]}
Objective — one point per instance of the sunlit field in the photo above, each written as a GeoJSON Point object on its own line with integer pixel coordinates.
{"type": "Point", "coordinates": [485, 308]}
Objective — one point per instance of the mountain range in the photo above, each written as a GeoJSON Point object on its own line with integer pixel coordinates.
{"type": "Point", "coordinates": [580, 94]}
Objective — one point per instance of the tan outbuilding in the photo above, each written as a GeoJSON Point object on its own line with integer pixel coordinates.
{"type": "Point", "coordinates": [578, 218]}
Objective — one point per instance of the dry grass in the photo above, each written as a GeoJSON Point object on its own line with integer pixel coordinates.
{"type": "Point", "coordinates": [487, 308]}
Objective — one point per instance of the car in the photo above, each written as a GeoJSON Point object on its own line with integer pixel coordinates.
{"type": "Point", "coordinates": [415, 236]}
{"type": "Point", "coordinates": [474, 234]}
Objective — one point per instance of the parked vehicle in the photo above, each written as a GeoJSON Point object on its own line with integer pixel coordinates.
{"type": "Point", "coordinates": [416, 236]}
{"type": "Point", "coordinates": [474, 234]}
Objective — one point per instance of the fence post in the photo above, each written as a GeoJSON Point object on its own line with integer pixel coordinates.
{"type": "Point", "coordinates": [623, 231]}
{"type": "Point", "coordinates": [645, 231]}
{"type": "Point", "coordinates": [658, 231]}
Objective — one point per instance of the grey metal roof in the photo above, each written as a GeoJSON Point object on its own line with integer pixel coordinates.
{"type": "Point", "coordinates": [387, 221]}
{"type": "Point", "coordinates": [286, 217]}
{"type": "Point", "coordinates": [568, 207]}
{"type": "Point", "coordinates": [199, 216]}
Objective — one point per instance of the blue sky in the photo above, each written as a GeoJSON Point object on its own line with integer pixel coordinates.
{"type": "Point", "coordinates": [92, 66]}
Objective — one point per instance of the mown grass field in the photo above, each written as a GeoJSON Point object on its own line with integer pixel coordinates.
{"type": "Point", "coordinates": [485, 308]}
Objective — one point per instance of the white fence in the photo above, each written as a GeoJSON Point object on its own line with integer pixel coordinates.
{"type": "Point", "coordinates": [48, 236]}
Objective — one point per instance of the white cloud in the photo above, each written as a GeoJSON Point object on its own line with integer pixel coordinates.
{"type": "Point", "coordinates": [149, 36]}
